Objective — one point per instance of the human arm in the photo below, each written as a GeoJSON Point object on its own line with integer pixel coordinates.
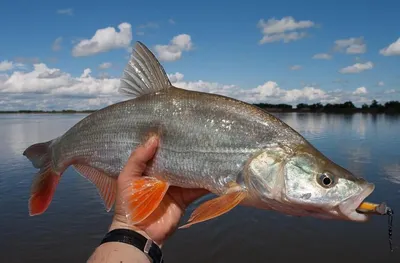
{"type": "Point", "coordinates": [159, 226]}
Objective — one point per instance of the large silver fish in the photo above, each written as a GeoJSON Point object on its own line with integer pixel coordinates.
{"type": "Point", "coordinates": [233, 149]}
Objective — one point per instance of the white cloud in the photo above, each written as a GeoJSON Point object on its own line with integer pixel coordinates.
{"type": "Point", "coordinates": [176, 77]}
{"type": "Point", "coordinates": [173, 51]}
{"type": "Point", "coordinates": [57, 44]}
{"type": "Point", "coordinates": [67, 11]}
{"type": "Point", "coordinates": [286, 29]}
{"type": "Point", "coordinates": [105, 65]}
{"type": "Point", "coordinates": [171, 21]}
{"type": "Point", "coordinates": [52, 81]}
{"type": "Point", "coordinates": [285, 37]}
{"type": "Point", "coordinates": [104, 40]}
{"type": "Point", "coordinates": [51, 88]}
{"type": "Point", "coordinates": [357, 68]}
{"type": "Point", "coordinates": [273, 25]}
{"type": "Point", "coordinates": [268, 92]}
{"type": "Point", "coordinates": [322, 56]}
{"type": "Point", "coordinates": [391, 50]}
{"type": "Point", "coordinates": [360, 91]}
{"type": "Point", "coordinates": [6, 65]}
{"type": "Point", "coordinates": [9, 65]}
{"type": "Point", "coordinates": [351, 45]}
{"type": "Point", "coordinates": [381, 83]}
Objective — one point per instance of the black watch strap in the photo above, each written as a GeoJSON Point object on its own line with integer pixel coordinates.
{"type": "Point", "coordinates": [137, 240]}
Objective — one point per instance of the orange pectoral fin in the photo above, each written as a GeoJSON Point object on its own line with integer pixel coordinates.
{"type": "Point", "coordinates": [215, 207]}
{"type": "Point", "coordinates": [142, 197]}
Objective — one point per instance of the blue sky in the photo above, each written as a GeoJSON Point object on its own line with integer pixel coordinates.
{"type": "Point", "coordinates": [218, 48]}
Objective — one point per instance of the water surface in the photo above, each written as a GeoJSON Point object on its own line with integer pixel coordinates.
{"type": "Point", "coordinates": [75, 222]}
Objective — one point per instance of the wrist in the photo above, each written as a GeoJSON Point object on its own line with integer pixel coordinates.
{"type": "Point", "coordinates": [116, 224]}
{"type": "Point", "coordinates": [136, 240]}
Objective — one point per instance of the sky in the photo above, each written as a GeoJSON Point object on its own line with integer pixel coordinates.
{"type": "Point", "coordinates": [70, 54]}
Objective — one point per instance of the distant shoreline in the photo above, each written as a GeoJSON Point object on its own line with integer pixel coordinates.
{"type": "Point", "coordinates": [391, 107]}
{"type": "Point", "coordinates": [272, 110]}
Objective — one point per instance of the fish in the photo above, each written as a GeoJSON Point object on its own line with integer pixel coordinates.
{"type": "Point", "coordinates": [235, 150]}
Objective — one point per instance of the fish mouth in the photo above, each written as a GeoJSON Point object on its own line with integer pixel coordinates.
{"type": "Point", "coordinates": [349, 207]}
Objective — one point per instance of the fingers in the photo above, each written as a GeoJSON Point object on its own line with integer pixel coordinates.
{"type": "Point", "coordinates": [137, 161]}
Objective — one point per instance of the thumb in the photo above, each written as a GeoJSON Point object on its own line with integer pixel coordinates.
{"type": "Point", "coordinates": [138, 159]}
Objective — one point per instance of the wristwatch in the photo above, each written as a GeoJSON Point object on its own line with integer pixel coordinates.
{"type": "Point", "coordinates": [137, 240]}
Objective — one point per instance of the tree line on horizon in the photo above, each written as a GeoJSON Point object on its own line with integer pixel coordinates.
{"type": "Point", "coordinates": [346, 107]}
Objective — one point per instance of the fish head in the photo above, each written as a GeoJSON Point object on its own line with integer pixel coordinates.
{"type": "Point", "coordinates": [304, 182]}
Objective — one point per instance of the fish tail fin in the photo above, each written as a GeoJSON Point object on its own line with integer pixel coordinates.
{"type": "Point", "coordinates": [46, 180]}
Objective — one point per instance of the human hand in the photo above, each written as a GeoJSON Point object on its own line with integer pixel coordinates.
{"type": "Point", "coordinates": [164, 220]}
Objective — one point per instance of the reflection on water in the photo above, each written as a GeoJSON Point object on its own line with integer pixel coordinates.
{"type": "Point", "coordinates": [393, 172]}
{"type": "Point", "coordinates": [75, 221]}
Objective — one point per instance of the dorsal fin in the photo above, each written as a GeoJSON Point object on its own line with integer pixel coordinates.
{"type": "Point", "coordinates": [143, 74]}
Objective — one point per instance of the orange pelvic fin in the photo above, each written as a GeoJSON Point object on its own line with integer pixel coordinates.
{"type": "Point", "coordinates": [142, 197]}
{"type": "Point", "coordinates": [105, 184]}
{"type": "Point", "coordinates": [216, 207]}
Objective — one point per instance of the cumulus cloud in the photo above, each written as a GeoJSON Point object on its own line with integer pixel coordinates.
{"type": "Point", "coordinates": [50, 88]}
{"type": "Point", "coordinates": [286, 29]}
{"type": "Point", "coordinates": [52, 81]}
{"type": "Point", "coordinates": [50, 74]}
{"type": "Point", "coordinates": [105, 65]}
{"type": "Point", "coordinates": [269, 92]}
{"type": "Point", "coordinates": [6, 65]}
{"type": "Point", "coordinates": [104, 40]}
{"type": "Point", "coordinates": [175, 77]}
{"type": "Point", "coordinates": [9, 65]}
{"type": "Point", "coordinates": [57, 44]}
{"type": "Point", "coordinates": [351, 45]}
{"type": "Point", "coordinates": [67, 11]}
{"type": "Point", "coordinates": [272, 92]}
{"type": "Point", "coordinates": [173, 51]}
{"type": "Point", "coordinates": [357, 68]}
{"type": "Point", "coordinates": [391, 50]}
{"type": "Point", "coordinates": [322, 56]}
{"type": "Point", "coordinates": [360, 91]}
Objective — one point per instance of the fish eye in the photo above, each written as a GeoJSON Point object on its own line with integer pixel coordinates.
{"type": "Point", "coordinates": [326, 180]}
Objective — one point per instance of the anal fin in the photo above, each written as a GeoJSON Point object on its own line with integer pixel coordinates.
{"type": "Point", "coordinates": [105, 184]}
{"type": "Point", "coordinates": [142, 197]}
{"type": "Point", "coordinates": [215, 207]}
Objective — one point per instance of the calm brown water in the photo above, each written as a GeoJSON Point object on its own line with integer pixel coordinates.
{"type": "Point", "coordinates": [76, 221]}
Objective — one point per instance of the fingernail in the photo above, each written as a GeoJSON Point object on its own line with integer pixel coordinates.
{"type": "Point", "coordinates": [150, 141]}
